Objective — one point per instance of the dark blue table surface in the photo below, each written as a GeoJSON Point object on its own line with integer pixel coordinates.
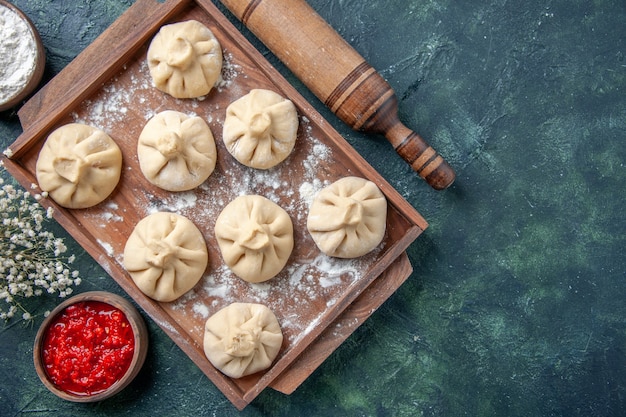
{"type": "Point", "coordinates": [517, 305]}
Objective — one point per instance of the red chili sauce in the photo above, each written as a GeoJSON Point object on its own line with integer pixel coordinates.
{"type": "Point", "coordinates": [87, 347]}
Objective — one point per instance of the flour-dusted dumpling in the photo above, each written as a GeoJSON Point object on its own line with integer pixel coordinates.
{"type": "Point", "coordinates": [79, 166]}
{"type": "Point", "coordinates": [176, 152]}
{"type": "Point", "coordinates": [255, 237]}
{"type": "Point", "coordinates": [347, 219]}
{"type": "Point", "coordinates": [260, 129]}
{"type": "Point", "coordinates": [165, 255]}
{"type": "Point", "coordinates": [185, 59]}
{"type": "Point", "coordinates": [242, 338]}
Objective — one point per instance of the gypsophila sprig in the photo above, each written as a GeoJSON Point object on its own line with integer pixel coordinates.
{"type": "Point", "coordinates": [30, 256]}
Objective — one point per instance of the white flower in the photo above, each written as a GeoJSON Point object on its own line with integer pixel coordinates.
{"type": "Point", "coordinates": [30, 263]}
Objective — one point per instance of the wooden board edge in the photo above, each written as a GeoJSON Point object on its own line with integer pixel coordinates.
{"type": "Point", "coordinates": [353, 317]}
{"type": "Point", "coordinates": [41, 122]}
{"type": "Point", "coordinates": [398, 249]}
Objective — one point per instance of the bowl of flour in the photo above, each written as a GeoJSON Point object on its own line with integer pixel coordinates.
{"type": "Point", "coordinates": [23, 56]}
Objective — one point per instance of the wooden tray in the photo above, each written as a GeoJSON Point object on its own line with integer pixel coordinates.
{"type": "Point", "coordinates": [108, 86]}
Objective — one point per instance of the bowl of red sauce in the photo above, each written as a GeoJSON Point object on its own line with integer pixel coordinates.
{"type": "Point", "coordinates": [90, 347]}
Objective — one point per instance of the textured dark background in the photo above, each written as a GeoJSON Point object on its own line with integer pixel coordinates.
{"type": "Point", "coordinates": [517, 303]}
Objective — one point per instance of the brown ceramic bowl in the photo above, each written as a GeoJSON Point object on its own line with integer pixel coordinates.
{"type": "Point", "coordinates": [39, 64]}
{"type": "Point", "coordinates": [140, 333]}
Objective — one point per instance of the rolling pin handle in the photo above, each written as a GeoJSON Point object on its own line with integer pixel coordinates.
{"type": "Point", "coordinates": [422, 157]}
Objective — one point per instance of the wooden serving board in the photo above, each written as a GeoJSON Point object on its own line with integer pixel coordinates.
{"type": "Point", "coordinates": [318, 300]}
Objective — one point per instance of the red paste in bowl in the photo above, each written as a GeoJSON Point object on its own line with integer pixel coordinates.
{"type": "Point", "coordinates": [88, 347]}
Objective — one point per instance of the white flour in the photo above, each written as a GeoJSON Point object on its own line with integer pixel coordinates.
{"type": "Point", "coordinates": [18, 52]}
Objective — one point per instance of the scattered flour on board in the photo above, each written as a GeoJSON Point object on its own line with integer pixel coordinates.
{"type": "Point", "coordinates": [201, 310]}
{"type": "Point", "coordinates": [107, 247]}
{"type": "Point", "coordinates": [177, 202]}
{"type": "Point", "coordinates": [323, 279]}
{"type": "Point", "coordinates": [315, 280]}
{"type": "Point", "coordinates": [111, 105]}
{"type": "Point", "coordinates": [111, 217]}
{"type": "Point", "coordinates": [109, 214]}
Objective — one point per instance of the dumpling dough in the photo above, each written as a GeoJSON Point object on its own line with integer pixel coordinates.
{"type": "Point", "coordinates": [165, 255]}
{"type": "Point", "coordinates": [260, 129]}
{"type": "Point", "coordinates": [185, 59]}
{"type": "Point", "coordinates": [347, 219]}
{"type": "Point", "coordinates": [242, 338]}
{"type": "Point", "coordinates": [255, 237]}
{"type": "Point", "coordinates": [176, 152]}
{"type": "Point", "coordinates": [79, 166]}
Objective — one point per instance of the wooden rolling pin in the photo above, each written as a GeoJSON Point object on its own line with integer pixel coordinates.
{"type": "Point", "coordinates": [339, 77]}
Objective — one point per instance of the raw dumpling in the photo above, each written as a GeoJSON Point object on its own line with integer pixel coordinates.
{"type": "Point", "coordinates": [260, 129]}
{"type": "Point", "coordinates": [242, 338]}
{"type": "Point", "coordinates": [176, 152]}
{"type": "Point", "coordinates": [79, 166]}
{"type": "Point", "coordinates": [347, 219]}
{"type": "Point", "coordinates": [165, 256]}
{"type": "Point", "coordinates": [185, 59]}
{"type": "Point", "coordinates": [255, 236]}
